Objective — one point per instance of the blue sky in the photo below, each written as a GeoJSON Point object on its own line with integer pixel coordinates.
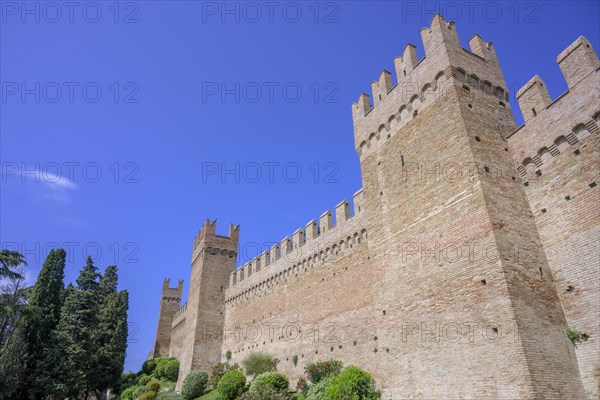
{"type": "Point", "coordinates": [114, 117]}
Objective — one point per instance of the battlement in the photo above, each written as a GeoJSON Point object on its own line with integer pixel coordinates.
{"type": "Point", "coordinates": [576, 62]}
{"type": "Point", "coordinates": [180, 315]}
{"type": "Point", "coordinates": [421, 82]}
{"type": "Point", "coordinates": [169, 293]}
{"type": "Point", "coordinates": [314, 242]}
{"type": "Point", "coordinates": [208, 240]}
{"type": "Point", "coordinates": [538, 140]}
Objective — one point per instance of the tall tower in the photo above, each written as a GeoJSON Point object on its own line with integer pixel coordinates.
{"type": "Point", "coordinates": [461, 281]}
{"type": "Point", "coordinates": [169, 304]}
{"type": "Point", "coordinates": [213, 260]}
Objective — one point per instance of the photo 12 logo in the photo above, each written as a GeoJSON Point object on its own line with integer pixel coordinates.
{"type": "Point", "coordinates": [68, 173]}
{"type": "Point", "coordinates": [526, 12]}
{"type": "Point", "coordinates": [78, 252]}
{"type": "Point", "coordinates": [269, 172]}
{"type": "Point", "coordinates": [253, 12]}
{"type": "Point", "coordinates": [269, 92]}
{"type": "Point", "coordinates": [53, 12]}
{"type": "Point", "coordinates": [68, 92]}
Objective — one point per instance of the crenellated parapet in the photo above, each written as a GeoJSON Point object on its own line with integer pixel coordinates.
{"type": "Point", "coordinates": [208, 241]}
{"type": "Point", "coordinates": [171, 294]}
{"type": "Point", "coordinates": [180, 314]}
{"type": "Point", "coordinates": [308, 247]}
{"type": "Point", "coordinates": [421, 82]}
{"type": "Point", "coordinates": [553, 127]}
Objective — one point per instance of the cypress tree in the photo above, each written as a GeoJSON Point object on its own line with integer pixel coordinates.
{"type": "Point", "coordinates": [112, 331]}
{"type": "Point", "coordinates": [32, 336]}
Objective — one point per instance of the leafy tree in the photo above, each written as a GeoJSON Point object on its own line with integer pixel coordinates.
{"type": "Point", "coordinates": [13, 296]}
{"type": "Point", "coordinates": [8, 261]}
{"type": "Point", "coordinates": [24, 361]}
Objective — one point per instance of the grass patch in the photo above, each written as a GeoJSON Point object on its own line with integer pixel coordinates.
{"type": "Point", "coordinates": [211, 395]}
{"type": "Point", "coordinates": [171, 395]}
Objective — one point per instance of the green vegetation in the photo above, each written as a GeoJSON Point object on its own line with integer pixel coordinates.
{"type": "Point", "coordinates": [272, 380]}
{"type": "Point", "coordinates": [576, 336]}
{"type": "Point", "coordinates": [352, 383]}
{"type": "Point", "coordinates": [231, 385]}
{"type": "Point", "coordinates": [194, 385]}
{"type": "Point", "coordinates": [219, 370]}
{"type": "Point", "coordinates": [322, 369]}
{"type": "Point", "coordinates": [57, 341]}
{"type": "Point", "coordinates": [259, 363]}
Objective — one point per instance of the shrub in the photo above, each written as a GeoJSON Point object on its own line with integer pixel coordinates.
{"type": "Point", "coordinates": [228, 355]}
{"type": "Point", "coordinates": [143, 380]}
{"type": "Point", "coordinates": [231, 385]}
{"type": "Point", "coordinates": [317, 391]}
{"type": "Point", "coordinates": [171, 370]}
{"type": "Point", "coordinates": [194, 385]}
{"type": "Point", "coordinates": [148, 395]}
{"type": "Point", "coordinates": [302, 385]}
{"type": "Point", "coordinates": [126, 381]}
{"type": "Point", "coordinates": [153, 385]}
{"type": "Point", "coordinates": [319, 370]}
{"type": "Point", "coordinates": [160, 370]}
{"type": "Point", "coordinates": [268, 394]}
{"type": "Point", "coordinates": [273, 380]}
{"type": "Point", "coordinates": [127, 394]}
{"type": "Point", "coordinates": [138, 391]}
{"type": "Point", "coordinates": [295, 360]}
{"type": "Point", "coordinates": [352, 383]}
{"type": "Point", "coordinates": [258, 363]}
{"type": "Point", "coordinates": [219, 370]}
{"type": "Point", "coordinates": [148, 367]}
{"type": "Point", "coordinates": [575, 336]}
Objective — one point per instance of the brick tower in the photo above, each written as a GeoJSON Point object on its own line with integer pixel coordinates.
{"type": "Point", "coordinates": [464, 296]}
{"type": "Point", "coordinates": [213, 260]}
{"type": "Point", "coordinates": [169, 304]}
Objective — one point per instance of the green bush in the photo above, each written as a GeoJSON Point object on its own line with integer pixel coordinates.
{"type": "Point", "coordinates": [171, 370]}
{"type": "Point", "coordinates": [143, 380]}
{"type": "Point", "coordinates": [317, 391]}
{"type": "Point", "coordinates": [128, 394]}
{"type": "Point", "coordinates": [148, 367]}
{"type": "Point", "coordinates": [148, 395]}
{"type": "Point", "coordinates": [268, 394]}
{"type": "Point", "coordinates": [138, 391]}
{"type": "Point", "coordinates": [159, 372]}
{"type": "Point", "coordinates": [352, 383]}
{"type": "Point", "coordinates": [161, 365]}
{"type": "Point", "coordinates": [302, 385]}
{"type": "Point", "coordinates": [231, 385]}
{"type": "Point", "coordinates": [259, 363]}
{"type": "Point", "coordinates": [273, 380]}
{"type": "Point", "coordinates": [219, 370]}
{"type": "Point", "coordinates": [319, 370]}
{"type": "Point", "coordinates": [194, 385]}
{"type": "Point", "coordinates": [153, 385]}
{"type": "Point", "coordinates": [126, 381]}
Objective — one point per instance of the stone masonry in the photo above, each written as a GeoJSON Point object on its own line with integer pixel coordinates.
{"type": "Point", "coordinates": [471, 248]}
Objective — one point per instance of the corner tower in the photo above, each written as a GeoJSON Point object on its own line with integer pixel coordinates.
{"type": "Point", "coordinates": [213, 260]}
{"type": "Point", "coordinates": [169, 304]}
{"type": "Point", "coordinates": [461, 283]}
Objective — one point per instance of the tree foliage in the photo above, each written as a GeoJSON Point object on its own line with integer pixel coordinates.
{"type": "Point", "coordinates": [71, 342]}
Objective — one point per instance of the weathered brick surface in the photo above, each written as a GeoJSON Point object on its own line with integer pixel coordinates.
{"type": "Point", "coordinates": [557, 153]}
{"type": "Point", "coordinates": [447, 281]}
